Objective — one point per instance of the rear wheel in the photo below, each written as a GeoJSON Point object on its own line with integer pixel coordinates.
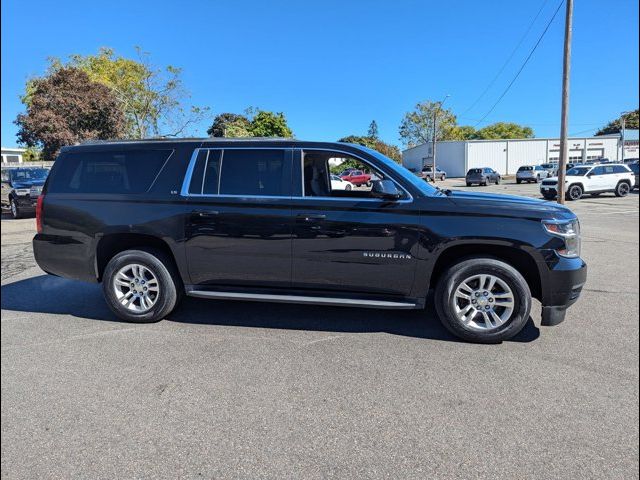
{"type": "Point", "coordinates": [347, 188]}
{"type": "Point", "coordinates": [443, 178]}
{"type": "Point", "coordinates": [518, 181]}
{"type": "Point", "coordinates": [575, 192]}
{"type": "Point", "coordinates": [623, 189]}
{"type": "Point", "coordinates": [548, 197]}
{"type": "Point", "coordinates": [483, 300]}
{"type": "Point", "coordinates": [469, 184]}
{"type": "Point", "coordinates": [497, 180]}
{"type": "Point", "coordinates": [141, 286]}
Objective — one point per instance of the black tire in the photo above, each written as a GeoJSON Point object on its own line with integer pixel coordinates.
{"type": "Point", "coordinates": [537, 179]}
{"type": "Point", "coordinates": [170, 285]}
{"type": "Point", "coordinates": [450, 280]}
{"type": "Point", "coordinates": [623, 189]}
{"type": "Point", "coordinates": [497, 180]}
{"type": "Point", "coordinates": [347, 188]}
{"type": "Point", "coordinates": [575, 192]}
{"type": "Point", "coordinates": [14, 209]}
{"type": "Point", "coordinates": [549, 197]}
{"type": "Point", "coordinates": [443, 178]}
{"type": "Point", "coordinates": [469, 184]}
{"type": "Point", "coordinates": [518, 181]}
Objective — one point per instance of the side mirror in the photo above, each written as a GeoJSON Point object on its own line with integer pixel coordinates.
{"type": "Point", "coordinates": [385, 189]}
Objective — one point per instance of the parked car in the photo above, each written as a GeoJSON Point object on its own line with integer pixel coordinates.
{"type": "Point", "coordinates": [20, 189]}
{"type": "Point", "coordinates": [257, 220]}
{"type": "Point", "coordinates": [635, 168]}
{"type": "Point", "coordinates": [339, 184]}
{"type": "Point", "coordinates": [356, 177]}
{"type": "Point", "coordinates": [428, 175]}
{"type": "Point", "coordinates": [531, 173]}
{"type": "Point", "coordinates": [482, 176]}
{"type": "Point", "coordinates": [592, 180]}
{"type": "Point", "coordinates": [550, 168]}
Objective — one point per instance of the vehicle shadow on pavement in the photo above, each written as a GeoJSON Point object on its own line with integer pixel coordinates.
{"type": "Point", "coordinates": [54, 295]}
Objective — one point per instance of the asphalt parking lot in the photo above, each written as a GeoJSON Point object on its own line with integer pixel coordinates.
{"type": "Point", "coordinates": [250, 390]}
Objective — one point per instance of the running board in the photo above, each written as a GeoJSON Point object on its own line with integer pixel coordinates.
{"type": "Point", "coordinates": [338, 302]}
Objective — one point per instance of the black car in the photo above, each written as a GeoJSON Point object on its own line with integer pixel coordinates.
{"type": "Point", "coordinates": [20, 189]}
{"type": "Point", "coordinates": [635, 168]}
{"type": "Point", "coordinates": [482, 176]}
{"type": "Point", "coordinates": [257, 220]}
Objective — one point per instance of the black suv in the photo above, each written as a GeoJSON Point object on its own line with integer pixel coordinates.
{"type": "Point", "coordinates": [258, 220]}
{"type": "Point", "coordinates": [21, 187]}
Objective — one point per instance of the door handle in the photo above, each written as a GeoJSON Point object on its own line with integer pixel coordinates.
{"type": "Point", "coordinates": [206, 213]}
{"type": "Point", "coordinates": [308, 217]}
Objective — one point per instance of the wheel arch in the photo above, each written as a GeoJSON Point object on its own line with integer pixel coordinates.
{"type": "Point", "coordinates": [111, 244]}
{"type": "Point", "coordinates": [517, 258]}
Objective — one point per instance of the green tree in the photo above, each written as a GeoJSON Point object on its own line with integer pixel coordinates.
{"type": "Point", "coordinates": [615, 126]}
{"type": "Point", "coordinates": [390, 151]}
{"type": "Point", "coordinates": [373, 129]}
{"type": "Point", "coordinates": [230, 125]}
{"type": "Point", "coordinates": [462, 132]}
{"type": "Point", "coordinates": [151, 97]}
{"type": "Point", "coordinates": [66, 107]}
{"type": "Point", "coordinates": [32, 154]}
{"type": "Point", "coordinates": [269, 124]}
{"type": "Point", "coordinates": [503, 130]}
{"type": "Point", "coordinates": [417, 126]}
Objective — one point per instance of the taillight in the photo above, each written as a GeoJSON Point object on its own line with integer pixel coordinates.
{"type": "Point", "coordinates": [39, 213]}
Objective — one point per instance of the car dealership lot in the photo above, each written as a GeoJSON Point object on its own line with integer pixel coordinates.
{"type": "Point", "coordinates": [227, 389]}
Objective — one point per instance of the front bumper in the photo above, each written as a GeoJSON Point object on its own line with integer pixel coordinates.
{"type": "Point", "coordinates": [565, 278]}
{"type": "Point", "coordinates": [26, 202]}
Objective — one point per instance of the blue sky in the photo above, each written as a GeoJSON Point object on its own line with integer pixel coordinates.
{"type": "Point", "coordinates": [333, 66]}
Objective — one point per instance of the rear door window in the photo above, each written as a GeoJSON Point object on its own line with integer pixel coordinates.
{"type": "Point", "coordinates": [116, 171]}
{"type": "Point", "coordinates": [254, 172]}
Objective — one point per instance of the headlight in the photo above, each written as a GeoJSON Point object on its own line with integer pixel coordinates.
{"type": "Point", "coordinates": [569, 231]}
{"type": "Point", "coordinates": [22, 191]}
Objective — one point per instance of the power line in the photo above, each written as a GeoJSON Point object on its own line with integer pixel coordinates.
{"type": "Point", "coordinates": [522, 67]}
{"type": "Point", "coordinates": [504, 65]}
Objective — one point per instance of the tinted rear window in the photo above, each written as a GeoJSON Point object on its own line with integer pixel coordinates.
{"type": "Point", "coordinates": [474, 170]}
{"type": "Point", "coordinates": [128, 171]}
{"type": "Point", "coordinates": [525, 169]}
{"type": "Point", "coordinates": [254, 172]}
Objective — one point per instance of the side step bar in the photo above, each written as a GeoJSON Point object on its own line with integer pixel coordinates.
{"type": "Point", "coordinates": [341, 302]}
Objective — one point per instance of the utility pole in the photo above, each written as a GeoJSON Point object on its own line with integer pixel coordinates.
{"type": "Point", "coordinates": [435, 134]}
{"type": "Point", "coordinates": [623, 121]}
{"type": "Point", "coordinates": [564, 123]}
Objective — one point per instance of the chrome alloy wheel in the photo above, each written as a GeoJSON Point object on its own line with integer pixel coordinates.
{"type": "Point", "coordinates": [483, 302]}
{"type": "Point", "coordinates": [136, 288]}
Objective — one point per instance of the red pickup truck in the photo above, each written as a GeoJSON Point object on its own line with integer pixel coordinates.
{"type": "Point", "coordinates": [357, 177]}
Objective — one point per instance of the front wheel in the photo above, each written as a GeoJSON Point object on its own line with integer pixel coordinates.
{"type": "Point", "coordinates": [15, 209]}
{"type": "Point", "coordinates": [483, 300]}
{"type": "Point", "coordinates": [497, 180]}
{"type": "Point", "coordinates": [443, 178]}
{"type": "Point", "coordinates": [623, 189]}
{"type": "Point", "coordinates": [518, 181]}
{"type": "Point", "coordinates": [141, 286]}
{"type": "Point", "coordinates": [549, 197]}
{"type": "Point", "coordinates": [347, 188]}
{"type": "Point", "coordinates": [575, 192]}
{"type": "Point", "coordinates": [469, 184]}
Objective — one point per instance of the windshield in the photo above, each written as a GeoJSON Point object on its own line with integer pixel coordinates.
{"type": "Point", "coordinates": [29, 174]}
{"type": "Point", "coordinates": [578, 171]}
{"type": "Point", "coordinates": [417, 182]}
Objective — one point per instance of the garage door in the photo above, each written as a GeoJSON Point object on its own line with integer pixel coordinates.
{"type": "Point", "coordinates": [595, 153]}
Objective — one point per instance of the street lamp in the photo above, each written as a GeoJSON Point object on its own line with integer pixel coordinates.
{"type": "Point", "coordinates": [435, 134]}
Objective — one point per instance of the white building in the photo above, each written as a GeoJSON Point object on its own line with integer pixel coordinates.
{"type": "Point", "coordinates": [13, 155]}
{"type": "Point", "coordinates": [506, 156]}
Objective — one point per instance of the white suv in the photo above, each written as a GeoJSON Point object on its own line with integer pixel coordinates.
{"type": "Point", "coordinates": [592, 180]}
